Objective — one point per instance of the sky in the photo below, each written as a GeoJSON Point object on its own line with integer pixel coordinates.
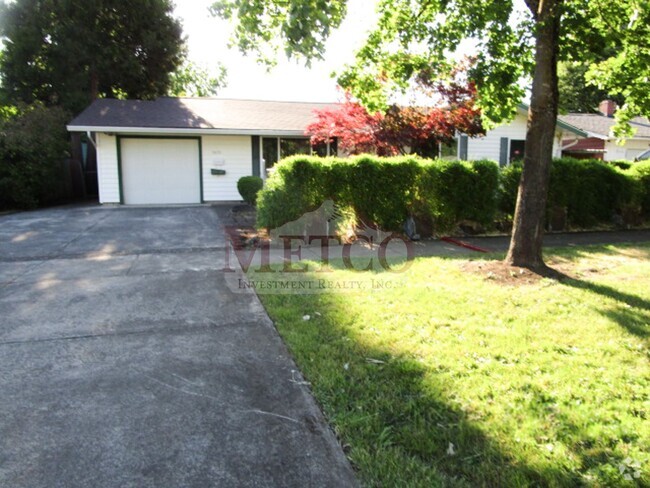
{"type": "Point", "coordinates": [207, 39]}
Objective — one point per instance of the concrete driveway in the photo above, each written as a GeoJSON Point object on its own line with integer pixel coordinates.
{"type": "Point", "coordinates": [126, 361]}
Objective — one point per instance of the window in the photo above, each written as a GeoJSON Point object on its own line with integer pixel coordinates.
{"type": "Point", "coordinates": [322, 149]}
{"type": "Point", "coordinates": [289, 147]}
{"type": "Point", "coordinates": [269, 151]}
{"type": "Point", "coordinates": [449, 152]}
{"type": "Point", "coordinates": [517, 148]}
{"type": "Point", "coordinates": [274, 148]}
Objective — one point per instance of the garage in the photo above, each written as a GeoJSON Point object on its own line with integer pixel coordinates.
{"type": "Point", "coordinates": [187, 150]}
{"type": "Point", "coordinates": [160, 170]}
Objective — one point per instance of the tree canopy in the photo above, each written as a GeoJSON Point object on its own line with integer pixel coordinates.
{"type": "Point", "coordinates": [192, 80]}
{"type": "Point", "coordinates": [68, 52]}
{"type": "Point", "coordinates": [413, 37]}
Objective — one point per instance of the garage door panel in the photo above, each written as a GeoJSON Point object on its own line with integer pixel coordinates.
{"type": "Point", "coordinates": [160, 171]}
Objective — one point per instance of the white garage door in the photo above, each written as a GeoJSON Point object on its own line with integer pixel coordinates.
{"type": "Point", "coordinates": [160, 171]}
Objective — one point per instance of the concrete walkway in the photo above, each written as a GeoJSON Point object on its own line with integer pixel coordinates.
{"type": "Point", "coordinates": [126, 361]}
{"type": "Point", "coordinates": [500, 243]}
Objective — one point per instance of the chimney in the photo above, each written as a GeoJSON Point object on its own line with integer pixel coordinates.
{"type": "Point", "coordinates": [607, 108]}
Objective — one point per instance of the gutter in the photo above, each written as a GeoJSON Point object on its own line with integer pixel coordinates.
{"type": "Point", "coordinates": [171, 130]}
{"type": "Point", "coordinates": [560, 123]}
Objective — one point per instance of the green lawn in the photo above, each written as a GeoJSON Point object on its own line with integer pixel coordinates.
{"type": "Point", "coordinates": [456, 379]}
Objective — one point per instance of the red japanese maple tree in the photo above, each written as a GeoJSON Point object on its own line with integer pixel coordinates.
{"type": "Point", "coordinates": [400, 130]}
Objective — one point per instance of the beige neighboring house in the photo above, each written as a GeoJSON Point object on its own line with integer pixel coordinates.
{"type": "Point", "coordinates": [506, 143]}
{"type": "Point", "coordinates": [600, 142]}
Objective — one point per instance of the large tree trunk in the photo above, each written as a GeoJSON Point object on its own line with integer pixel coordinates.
{"type": "Point", "coordinates": [528, 226]}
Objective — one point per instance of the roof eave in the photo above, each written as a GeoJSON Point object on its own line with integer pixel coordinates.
{"type": "Point", "coordinates": [174, 130]}
{"type": "Point", "coordinates": [561, 124]}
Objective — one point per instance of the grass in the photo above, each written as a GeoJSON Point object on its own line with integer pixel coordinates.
{"type": "Point", "coordinates": [455, 379]}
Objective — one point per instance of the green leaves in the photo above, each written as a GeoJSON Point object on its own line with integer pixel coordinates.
{"type": "Point", "coordinates": [299, 28]}
{"type": "Point", "coordinates": [416, 36]}
{"type": "Point", "coordinates": [196, 81]}
{"type": "Point", "coordinates": [66, 53]}
{"type": "Point", "coordinates": [413, 37]}
{"type": "Point", "coordinates": [33, 146]}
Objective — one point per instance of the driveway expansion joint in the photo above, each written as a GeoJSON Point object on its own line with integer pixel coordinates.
{"type": "Point", "coordinates": [94, 255]}
{"type": "Point", "coordinates": [188, 328]}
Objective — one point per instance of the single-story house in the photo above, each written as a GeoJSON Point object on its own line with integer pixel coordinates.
{"type": "Point", "coordinates": [506, 143]}
{"type": "Point", "coordinates": [190, 150]}
{"type": "Point", "coordinates": [600, 143]}
{"type": "Point", "coordinates": [194, 150]}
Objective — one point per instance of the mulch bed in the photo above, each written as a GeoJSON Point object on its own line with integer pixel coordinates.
{"type": "Point", "coordinates": [501, 273]}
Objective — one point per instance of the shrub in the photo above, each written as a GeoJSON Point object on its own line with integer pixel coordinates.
{"type": "Point", "coordinates": [590, 190]}
{"type": "Point", "coordinates": [33, 147]}
{"type": "Point", "coordinates": [620, 163]}
{"type": "Point", "coordinates": [248, 186]}
{"type": "Point", "coordinates": [457, 190]}
{"type": "Point", "coordinates": [508, 188]}
{"type": "Point", "coordinates": [640, 172]}
{"type": "Point", "coordinates": [381, 192]}
{"type": "Point", "coordinates": [298, 185]}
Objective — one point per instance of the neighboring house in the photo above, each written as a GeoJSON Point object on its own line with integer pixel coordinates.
{"type": "Point", "coordinates": [190, 150]}
{"type": "Point", "coordinates": [600, 143]}
{"type": "Point", "coordinates": [506, 143]}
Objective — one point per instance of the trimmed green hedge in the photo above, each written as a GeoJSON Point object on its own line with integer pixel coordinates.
{"type": "Point", "coordinates": [590, 190]}
{"type": "Point", "coordinates": [640, 172]}
{"type": "Point", "coordinates": [384, 191]}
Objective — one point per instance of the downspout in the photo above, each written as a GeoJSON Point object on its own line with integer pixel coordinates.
{"type": "Point", "coordinates": [570, 145]}
{"type": "Point", "coordinates": [90, 138]}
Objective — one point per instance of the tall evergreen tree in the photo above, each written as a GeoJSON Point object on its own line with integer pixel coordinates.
{"type": "Point", "coordinates": [69, 52]}
{"type": "Point", "coordinates": [576, 93]}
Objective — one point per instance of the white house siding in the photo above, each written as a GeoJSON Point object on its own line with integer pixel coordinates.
{"type": "Point", "coordinates": [107, 173]}
{"type": "Point", "coordinates": [629, 151]}
{"type": "Point", "coordinates": [489, 146]}
{"type": "Point", "coordinates": [232, 154]}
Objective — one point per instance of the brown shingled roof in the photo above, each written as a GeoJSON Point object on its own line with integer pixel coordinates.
{"type": "Point", "coordinates": [199, 113]}
{"type": "Point", "coordinates": [602, 125]}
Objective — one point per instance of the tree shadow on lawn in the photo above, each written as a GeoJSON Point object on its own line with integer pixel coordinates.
{"type": "Point", "coordinates": [633, 312]}
{"type": "Point", "coordinates": [400, 418]}
{"type": "Point", "coordinates": [394, 410]}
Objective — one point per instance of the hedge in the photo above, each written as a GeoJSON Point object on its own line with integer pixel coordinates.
{"type": "Point", "coordinates": [383, 192]}
{"type": "Point", "coordinates": [590, 190]}
{"type": "Point", "coordinates": [640, 172]}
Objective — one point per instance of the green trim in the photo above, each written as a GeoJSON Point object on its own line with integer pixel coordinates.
{"type": "Point", "coordinates": [201, 169]}
{"type": "Point", "coordinates": [255, 148]}
{"type": "Point", "coordinates": [571, 128]}
{"type": "Point", "coordinates": [118, 139]}
{"type": "Point", "coordinates": [559, 123]}
{"type": "Point", "coordinates": [118, 145]}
